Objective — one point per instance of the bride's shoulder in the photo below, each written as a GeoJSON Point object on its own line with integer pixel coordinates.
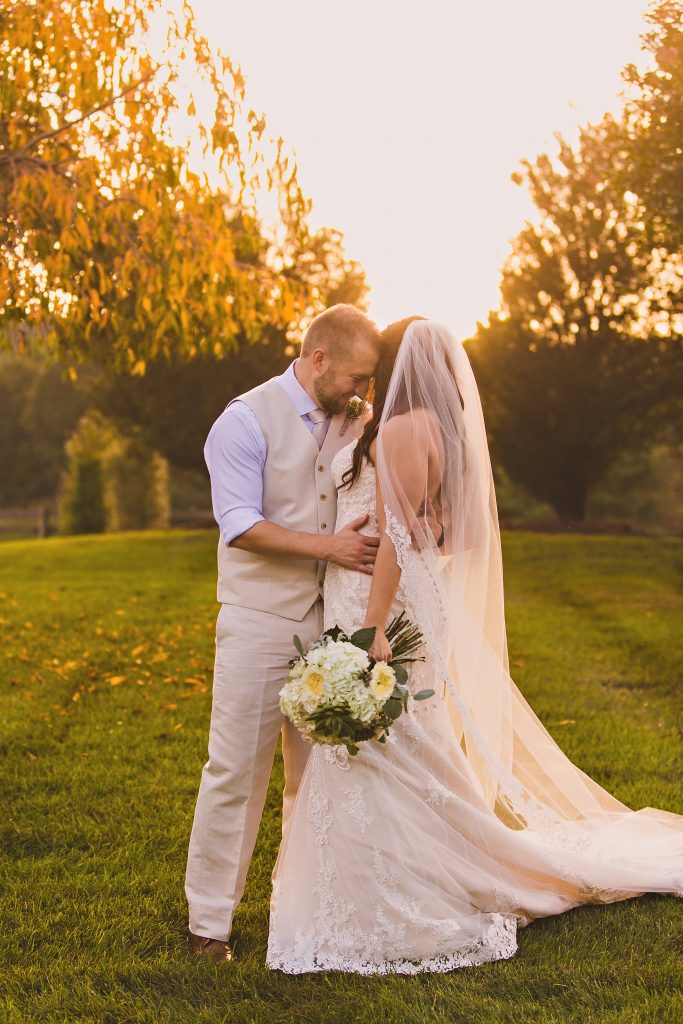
{"type": "Point", "coordinates": [410, 426]}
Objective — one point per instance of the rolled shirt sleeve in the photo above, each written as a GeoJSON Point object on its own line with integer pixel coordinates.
{"type": "Point", "coordinates": [235, 455]}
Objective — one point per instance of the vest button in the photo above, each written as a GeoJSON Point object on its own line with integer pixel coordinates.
{"type": "Point", "coordinates": [322, 497]}
{"type": "Point", "coordinates": [320, 469]}
{"type": "Point", "coordinates": [323, 526]}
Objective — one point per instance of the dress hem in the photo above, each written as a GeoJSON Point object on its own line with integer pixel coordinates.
{"type": "Point", "coordinates": [503, 947]}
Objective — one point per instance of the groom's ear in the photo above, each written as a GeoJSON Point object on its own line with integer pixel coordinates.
{"type": "Point", "coordinates": [318, 359]}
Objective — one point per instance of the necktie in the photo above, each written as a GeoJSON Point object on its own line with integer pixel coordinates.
{"type": "Point", "coordinates": [320, 421]}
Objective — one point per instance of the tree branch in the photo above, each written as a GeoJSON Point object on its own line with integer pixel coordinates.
{"type": "Point", "coordinates": [21, 153]}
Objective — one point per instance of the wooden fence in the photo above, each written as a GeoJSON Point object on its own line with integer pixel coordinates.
{"type": "Point", "coordinates": [41, 520]}
{"type": "Point", "coordinates": [37, 521]}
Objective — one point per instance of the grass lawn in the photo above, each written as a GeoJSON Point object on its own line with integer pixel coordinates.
{"type": "Point", "coordinates": [106, 664]}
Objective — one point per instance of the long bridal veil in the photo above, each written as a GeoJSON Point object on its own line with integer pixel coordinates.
{"type": "Point", "coordinates": [433, 465]}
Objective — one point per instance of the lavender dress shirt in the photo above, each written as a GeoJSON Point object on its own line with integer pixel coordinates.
{"type": "Point", "coordinates": [235, 454]}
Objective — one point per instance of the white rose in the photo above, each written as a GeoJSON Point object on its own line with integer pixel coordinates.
{"type": "Point", "coordinates": [313, 681]}
{"type": "Point", "coordinates": [382, 680]}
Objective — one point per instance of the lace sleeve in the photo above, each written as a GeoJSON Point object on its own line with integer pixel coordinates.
{"type": "Point", "coordinates": [398, 535]}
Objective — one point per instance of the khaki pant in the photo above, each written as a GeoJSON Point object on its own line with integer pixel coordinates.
{"type": "Point", "coordinates": [253, 649]}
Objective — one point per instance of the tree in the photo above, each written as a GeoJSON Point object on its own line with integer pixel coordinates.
{"type": "Point", "coordinates": [580, 362]}
{"type": "Point", "coordinates": [81, 505]}
{"type": "Point", "coordinates": [39, 411]}
{"type": "Point", "coordinates": [176, 401]}
{"type": "Point", "coordinates": [652, 155]}
{"type": "Point", "coordinates": [112, 482]}
{"type": "Point", "coordinates": [113, 244]}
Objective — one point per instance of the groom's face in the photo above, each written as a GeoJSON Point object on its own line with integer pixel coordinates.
{"type": "Point", "coordinates": [345, 375]}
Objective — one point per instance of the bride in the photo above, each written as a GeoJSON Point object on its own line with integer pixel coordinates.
{"type": "Point", "coordinates": [428, 852]}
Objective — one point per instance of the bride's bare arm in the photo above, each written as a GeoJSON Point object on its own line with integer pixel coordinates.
{"type": "Point", "coordinates": [385, 581]}
{"type": "Point", "coordinates": [406, 448]}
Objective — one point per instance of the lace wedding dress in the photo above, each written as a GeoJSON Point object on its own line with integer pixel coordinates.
{"type": "Point", "coordinates": [394, 861]}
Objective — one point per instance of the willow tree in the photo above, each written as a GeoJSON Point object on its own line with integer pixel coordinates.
{"type": "Point", "coordinates": [130, 165]}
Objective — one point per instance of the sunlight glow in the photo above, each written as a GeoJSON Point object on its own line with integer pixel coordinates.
{"type": "Point", "coordinates": [407, 121]}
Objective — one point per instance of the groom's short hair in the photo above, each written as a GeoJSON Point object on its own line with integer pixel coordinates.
{"type": "Point", "coordinates": [338, 328]}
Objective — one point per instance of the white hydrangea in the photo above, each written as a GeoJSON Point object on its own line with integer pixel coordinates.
{"type": "Point", "coordinates": [339, 656]}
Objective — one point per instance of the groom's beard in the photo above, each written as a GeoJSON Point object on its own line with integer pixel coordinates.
{"type": "Point", "coordinates": [328, 397]}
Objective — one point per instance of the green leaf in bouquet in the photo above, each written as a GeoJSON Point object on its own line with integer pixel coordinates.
{"type": "Point", "coordinates": [423, 694]}
{"type": "Point", "coordinates": [333, 720]}
{"type": "Point", "coordinates": [336, 722]}
{"type": "Point", "coordinates": [352, 748]}
{"type": "Point", "coordinates": [297, 643]}
{"type": "Point", "coordinates": [364, 638]}
{"type": "Point", "coordinates": [400, 673]}
{"type": "Point", "coordinates": [392, 708]}
{"type": "Point", "coordinates": [334, 632]}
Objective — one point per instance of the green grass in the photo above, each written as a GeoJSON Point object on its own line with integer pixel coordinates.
{"type": "Point", "coordinates": [107, 653]}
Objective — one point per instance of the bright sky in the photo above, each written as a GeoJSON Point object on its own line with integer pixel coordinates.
{"type": "Point", "coordinates": [407, 120]}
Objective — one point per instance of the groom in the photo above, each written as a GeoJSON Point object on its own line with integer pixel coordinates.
{"type": "Point", "coordinates": [269, 458]}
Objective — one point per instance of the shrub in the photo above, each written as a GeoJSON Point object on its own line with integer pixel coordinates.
{"type": "Point", "coordinates": [113, 481]}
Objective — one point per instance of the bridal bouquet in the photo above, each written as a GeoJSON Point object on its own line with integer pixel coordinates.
{"type": "Point", "coordinates": [336, 694]}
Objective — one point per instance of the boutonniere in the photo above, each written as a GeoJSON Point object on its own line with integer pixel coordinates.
{"type": "Point", "coordinates": [354, 408]}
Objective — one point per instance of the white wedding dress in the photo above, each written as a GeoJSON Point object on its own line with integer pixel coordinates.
{"type": "Point", "coordinates": [393, 860]}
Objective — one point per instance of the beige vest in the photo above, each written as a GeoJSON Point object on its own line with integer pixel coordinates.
{"type": "Point", "coordinates": [299, 494]}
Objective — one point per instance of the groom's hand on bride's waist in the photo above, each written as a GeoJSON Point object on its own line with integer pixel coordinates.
{"type": "Point", "coordinates": [348, 548]}
{"type": "Point", "coordinates": [352, 549]}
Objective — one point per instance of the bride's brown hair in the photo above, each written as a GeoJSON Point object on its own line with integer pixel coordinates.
{"type": "Point", "coordinates": [390, 339]}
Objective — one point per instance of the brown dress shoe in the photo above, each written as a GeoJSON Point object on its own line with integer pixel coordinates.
{"type": "Point", "coordinates": [217, 949]}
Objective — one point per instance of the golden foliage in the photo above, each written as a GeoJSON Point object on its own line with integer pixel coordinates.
{"type": "Point", "coordinates": [113, 245]}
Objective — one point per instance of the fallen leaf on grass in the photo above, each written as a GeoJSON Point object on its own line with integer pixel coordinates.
{"type": "Point", "coordinates": [32, 757]}
{"type": "Point", "coordinates": [68, 666]}
{"type": "Point", "coordinates": [168, 707]}
{"type": "Point", "coordinates": [115, 680]}
{"type": "Point", "coordinates": [178, 726]}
